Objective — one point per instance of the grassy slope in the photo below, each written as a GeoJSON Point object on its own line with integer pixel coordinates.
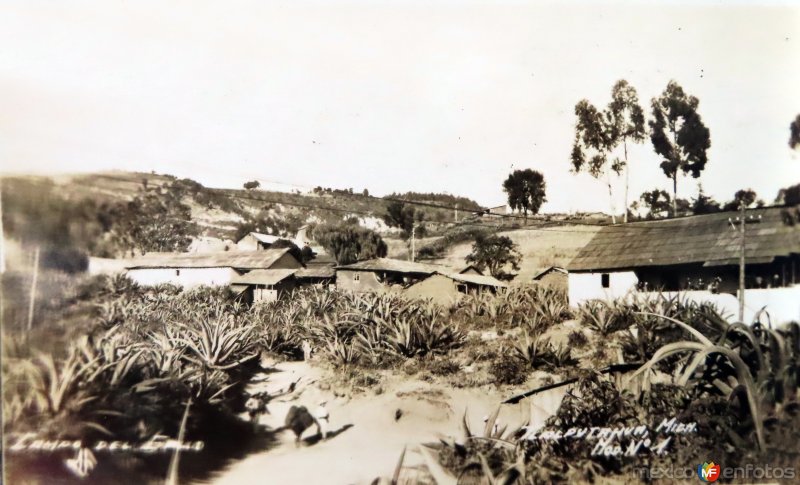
{"type": "Point", "coordinates": [540, 248]}
{"type": "Point", "coordinates": [220, 222]}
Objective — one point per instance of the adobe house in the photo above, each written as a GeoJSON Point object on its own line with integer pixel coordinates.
{"type": "Point", "coordinates": [382, 274]}
{"type": "Point", "coordinates": [319, 271]}
{"type": "Point", "coordinates": [699, 254]}
{"type": "Point", "coordinates": [263, 285]}
{"type": "Point", "coordinates": [554, 277]}
{"type": "Point", "coordinates": [208, 269]}
{"type": "Point", "coordinates": [446, 288]}
{"type": "Point", "coordinates": [321, 276]}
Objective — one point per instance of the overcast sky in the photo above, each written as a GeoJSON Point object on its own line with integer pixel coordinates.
{"type": "Point", "coordinates": [391, 96]}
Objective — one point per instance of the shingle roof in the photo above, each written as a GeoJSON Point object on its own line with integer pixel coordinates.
{"type": "Point", "coordinates": [548, 270]}
{"type": "Point", "coordinates": [316, 272]}
{"type": "Point", "coordinates": [263, 276]}
{"type": "Point", "coordinates": [708, 239]}
{"type": "Point", "coordinates": [392, 265]}
{"type": "Point", "coordinates": [228, 259]}
{"type": "Point", "coordinates": [476, 279]}
{"type": "Point", "coordinates": [322, 259]}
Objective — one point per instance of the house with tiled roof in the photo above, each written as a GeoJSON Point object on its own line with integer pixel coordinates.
{"type": "Point", "coordinates": [206, 269]}
{"type": "Point", "coordinates": [382, 274]}
{"type": "Point", "coordinates": [446, 288]}
{"type": "Point", "coordinates": [695, 254]}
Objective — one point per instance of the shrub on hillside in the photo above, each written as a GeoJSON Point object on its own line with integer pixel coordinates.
{"type": "Point", "coordinates": [443, 366]}
{"type": "Point", "coordinates": [577, 339]}
{"type": "Point", "coordinates": [505, 369]}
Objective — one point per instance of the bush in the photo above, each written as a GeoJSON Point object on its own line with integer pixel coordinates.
{"type": "Point", "coordinates": [443, 367]}
{"type": "Point", "coordinates": [577, 339]}
{"type": "Point", "coordinates": [506, 369]}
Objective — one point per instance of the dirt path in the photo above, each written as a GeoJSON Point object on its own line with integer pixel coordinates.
{"type": "Point", "coordinates": [367, 439]}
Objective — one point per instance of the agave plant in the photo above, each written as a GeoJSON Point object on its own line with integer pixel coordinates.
{"type": "Point", "coordinates": [603, 317]}
{"type": "Point", "coordinates": [560, 356]}
{"type": "Point", "coordinates": [434, 336]}
{"type": "Point", "coordinates": [114, 312]}
{"type": "Point", "coordinates": [341, 353]}
{"type": "Point", "coordinates": [761, 369]}
{"type": "Point", "coordinates": [120, 284]}
{"type": "Point", "coordinates": [61, 393]}
{"type": "Point", "coordinates": [509, 458]}
{"type": "Point", "coordinates": [536, 351]}
{"type": "Point", "coordinates": [165, 351]}
{"type": "Point", "coordinates": [221, 344]}
{"type": "Point", "coordinates": [208, 387]}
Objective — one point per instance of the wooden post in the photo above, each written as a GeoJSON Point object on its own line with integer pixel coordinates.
{"type": "Point", "coordinates": [742, 263]}
{"type": "Point", "coordinates": [413, 243]}
{"type": "Point", "coordinates": [2, 237]}
{"type": "Point", "coordinates": [33, 288]}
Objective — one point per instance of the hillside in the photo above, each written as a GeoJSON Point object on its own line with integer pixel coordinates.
{"type": "Point", "coordinates": [218, 211]}
{"type": "Point", "coordinates": [540, 248]}
{"type": "Point", "coordinates": [75, 210]}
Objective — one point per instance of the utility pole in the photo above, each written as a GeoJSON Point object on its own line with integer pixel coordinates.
{"type": "Point", "coordinates": [413, 243]}
{"type": "Point", "coordinates": [456, 212]}
{"type": "Point", "coordinates": [2, 237]}
{"type": "Point", "coordinates": [741, 262]}
{"type": "Point", "coordinates": [33, 288]}
{"type": "Point", "coordinates": [743, 220]}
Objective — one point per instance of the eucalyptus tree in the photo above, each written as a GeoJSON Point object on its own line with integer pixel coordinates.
{"type": "Point", "coordinates": [599, 133]}
{"type": "Point", "coordinates": [626, 117]}
{"type": "Point", "coordinates": [679, 135]}
{"type": "Point", "coordinates": [794, 133]}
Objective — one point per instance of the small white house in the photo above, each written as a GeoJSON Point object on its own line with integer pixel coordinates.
{"type": "Point", "coordinates": [603, 285]}
{"type": "Point", "coordinates": [206, 269]}
{"type": "Point", "coordinates": [264, 285]}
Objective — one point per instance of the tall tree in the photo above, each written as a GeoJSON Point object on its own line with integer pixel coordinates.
{"type": "Point", "coordinates": [598, 133]}
{"type": "Point", "coordinates": [593, 145]}
{"type": "Point", "coordinates": [405, 217]}
{"type": "Point", "coordinates": [526, 190]}
{"type": "Point", "coordinates": [679, 135]}
{"type": "Point", "coordinates": [746, 197]}
{"type": "Point", "coordinates": [626, 117]}
{"type": "Point", "coordinates": [794, 133]}
{"type": "Point", "coordinates": [704, 204]}
{"type": "Point", "coordinates": [789, 195]}
{"type": "Point", "coordinates": [657, 202]}
{"type": "Point", "coordinates": [495, 253]}
{"type": "Point", "coordinates": [349, 243]}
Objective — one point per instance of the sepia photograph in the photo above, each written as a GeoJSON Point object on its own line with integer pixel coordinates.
{"type": "Point", "coordinates": [395, 242]}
